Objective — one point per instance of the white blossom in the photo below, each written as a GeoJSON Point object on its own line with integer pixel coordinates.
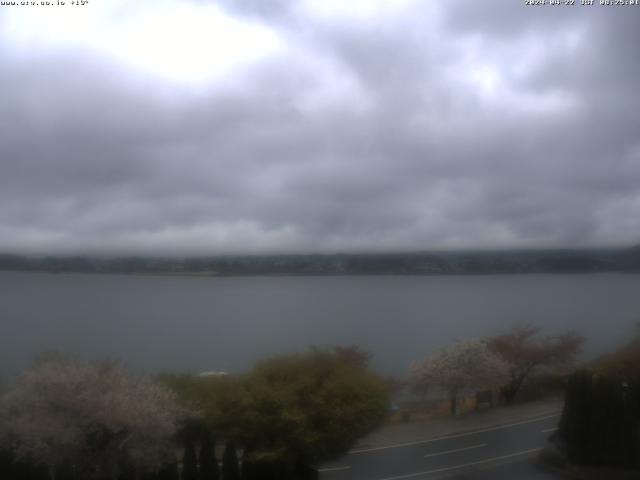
{"type": "Point", "coordinates": [467, 364]}
{"type": "Point", "coordinates": [89, 415]}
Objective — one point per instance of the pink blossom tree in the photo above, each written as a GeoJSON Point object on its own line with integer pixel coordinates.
{"type": "Point", "coordinates": [525, 351]}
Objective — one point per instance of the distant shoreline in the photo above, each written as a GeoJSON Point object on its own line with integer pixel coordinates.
{"type": "Point", "coordinates": [565, 261]}
{"type": "Point", "coordinates": [310, 275]}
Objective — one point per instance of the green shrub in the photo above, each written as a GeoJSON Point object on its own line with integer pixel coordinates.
{"type": "Point", "coordinates": [601, 420]}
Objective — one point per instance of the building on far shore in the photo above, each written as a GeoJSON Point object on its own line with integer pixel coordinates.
{"type": "Point", "coordinates": [212, 374]}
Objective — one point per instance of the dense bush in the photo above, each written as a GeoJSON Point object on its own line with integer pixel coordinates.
{"type": "Point", "coordinates": [290, 411]}
{"type": "Point", "coordinates": [601, 420]}
{"type": "Point", "coordinates": [309, 408]}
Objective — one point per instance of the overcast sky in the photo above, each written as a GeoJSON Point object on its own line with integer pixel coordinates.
{"type": "Point", "coordinates": [255, 126]}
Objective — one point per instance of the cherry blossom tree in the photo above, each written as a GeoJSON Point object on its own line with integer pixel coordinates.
{"type": "Point", "coordinates": [526, 351]}
{"type": "Point", "coordinates": [89, 415]}
{"type": "Point", "coordinates": [465, 365]}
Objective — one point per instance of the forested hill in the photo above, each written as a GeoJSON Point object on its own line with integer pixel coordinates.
{"type": "Point", "coordinates": [435, 263]}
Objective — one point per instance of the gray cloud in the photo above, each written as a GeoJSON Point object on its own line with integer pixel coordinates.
{"type": "Point", "coordinates": [478, 125]}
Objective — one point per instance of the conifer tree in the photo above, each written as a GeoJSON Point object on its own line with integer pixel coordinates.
{"type": "Point", "coordinates": [208, 461]}
{"type": "Point", "coordinates": [169, 471]}
{"type": "Point", "coordinates": [230, 469]}
{"type": "Point", "coordinates": [575, 424]}
{"type": "Point", "coordinates": [189, 462]}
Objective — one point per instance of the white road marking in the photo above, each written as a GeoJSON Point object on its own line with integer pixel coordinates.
{"type": "Point", "coordinates": [457, 435]}
{"type": "Point", "coordinates": [333, 469]}
{"type": "Point", "coordinates": [446, 452]}
{"type": "Point", "coordinates": [550, 430]}
{"type": "Point", "coordinates": [463, 465]}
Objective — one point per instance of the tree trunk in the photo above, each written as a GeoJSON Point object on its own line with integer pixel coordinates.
{"type": "Point", "coordinates": [514, 386]}
{"type": "Point", "coordinates": [115, 472]}
{"type": "Point", "coordinates": [509, 393]}
{"type": "Point", "coordinates": [52, 472]}
{"type": "Point", "coordinates": [454, 402]}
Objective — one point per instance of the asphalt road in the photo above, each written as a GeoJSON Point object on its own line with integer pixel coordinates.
{"type": "Point", "coordinates": [495, 453]}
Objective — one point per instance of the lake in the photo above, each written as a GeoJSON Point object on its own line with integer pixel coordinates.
{"type": "Point", "coordinates": [156, 323]}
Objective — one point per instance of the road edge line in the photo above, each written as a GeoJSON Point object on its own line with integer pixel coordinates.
{"type": "Point", "coordinates": [463, 465]}
{"type": "Point", "coordinates": [459, 434]}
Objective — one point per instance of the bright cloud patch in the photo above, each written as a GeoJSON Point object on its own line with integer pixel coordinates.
{"type": "Point", "coordinates": [179, 41]}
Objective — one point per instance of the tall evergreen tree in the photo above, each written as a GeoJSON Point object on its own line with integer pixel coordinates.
{"type": "Point", "coordinates": [601, 420]}
{"type": "Point", "coordinates": [575, 425]}
{"type": "Point", "coordinates": [603, 440]}
{"type": "Point", "coordinates": [189, 462]}
{"type": "Point", "coordinates": [208, 462]}
{"type": "Point", "coordinates": [6, 464]}
{"type": "Point", "coordinates": [230, 468]}
{"type": "Point", "coordinates": [26, 470]}
{"type": "Point", "coordinates": [169, 471]}
{"type": "Point", "coordinates": [65, 472]}
{"type": "Point", "coordinates": [249, 471]}
{"type": "Point", "coordinates": [632, 400]}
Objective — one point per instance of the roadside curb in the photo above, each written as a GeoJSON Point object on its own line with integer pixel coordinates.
{"type": "Point", "coordinates": [364, 448]}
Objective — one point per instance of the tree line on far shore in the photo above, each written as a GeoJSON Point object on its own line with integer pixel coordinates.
{"type": "Point", "coordinates": [418, 263]}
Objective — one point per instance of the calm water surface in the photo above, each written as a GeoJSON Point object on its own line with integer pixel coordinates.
{"type": "Point", "coordinates": [190, 323]}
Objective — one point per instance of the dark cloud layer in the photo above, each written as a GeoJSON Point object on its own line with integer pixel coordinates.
{"type": "Point", "coordinates": [473, 125]}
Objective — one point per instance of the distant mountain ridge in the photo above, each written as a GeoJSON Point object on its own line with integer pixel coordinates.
{"type": "Point", "coordinates": [420, 263]}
